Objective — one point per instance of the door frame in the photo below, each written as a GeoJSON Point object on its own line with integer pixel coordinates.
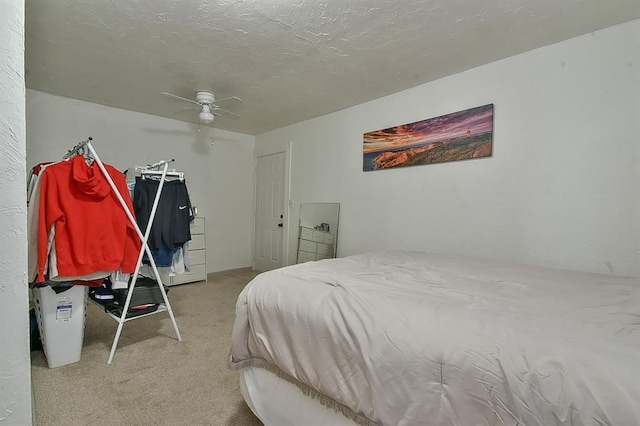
{"type": "Point", "coordinates": [286, 208]}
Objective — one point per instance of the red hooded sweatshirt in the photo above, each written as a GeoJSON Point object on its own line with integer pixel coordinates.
{"type": "Point", "coordinates": [92, 231]}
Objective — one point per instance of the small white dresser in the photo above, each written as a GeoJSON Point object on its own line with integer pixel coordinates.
{"type": "Point", "coordinates": [197, 257]}
{"type": "Point", "coordinates": [314, 244]}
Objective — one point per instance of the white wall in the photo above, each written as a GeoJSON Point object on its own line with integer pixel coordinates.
{"type": "Point", "coordinates": [562, 188]}
{"type": "Point", "coordinates": [218, 165]}
{"type": "Point", "coordinates": [15, 361]}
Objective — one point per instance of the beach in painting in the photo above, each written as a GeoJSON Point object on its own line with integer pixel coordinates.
{"type": "Point", "coordinates": [457, 136]}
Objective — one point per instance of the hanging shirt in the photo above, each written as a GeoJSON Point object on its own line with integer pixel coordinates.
{"type": "Point", "coordinates": [33, 212]}
{"type": "Point", "coordinates": [173, 215]}
{"type": "Point", "coordinates": [92, 231]}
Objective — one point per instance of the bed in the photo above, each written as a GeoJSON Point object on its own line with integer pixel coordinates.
{"type": "Point", "coordinates": [410, 338]}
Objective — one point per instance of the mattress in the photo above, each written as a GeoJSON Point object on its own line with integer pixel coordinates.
{"type": "Point", "coordinates": [408, 338]}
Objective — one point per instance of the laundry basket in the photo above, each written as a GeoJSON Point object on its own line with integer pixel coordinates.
{"type": "Point", "coordinates": [61, 319]}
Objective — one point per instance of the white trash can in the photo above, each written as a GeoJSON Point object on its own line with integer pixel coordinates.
{"type": "Point", "coordinates": [61, 319]}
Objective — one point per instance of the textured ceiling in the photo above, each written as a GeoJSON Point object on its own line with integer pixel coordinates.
{"type": "Point", "coordinates": [288, 60]}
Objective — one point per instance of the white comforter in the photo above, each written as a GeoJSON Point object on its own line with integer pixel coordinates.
{"type": "Point", "coordinates": [408, 338]}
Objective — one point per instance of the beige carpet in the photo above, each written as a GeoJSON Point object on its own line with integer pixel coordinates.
{"type": "Point", "coordinates": [154, 379]}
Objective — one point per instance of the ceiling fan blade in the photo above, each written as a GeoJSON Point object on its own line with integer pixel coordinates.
{"type": "Point", "coordinates": [184, 110]}
{"type": "Point", "coordinates": [179, 97]}
{"type": "Point", "coordinates": [226, 112]}
{"type": "Point", "coordinates": [228, 99]}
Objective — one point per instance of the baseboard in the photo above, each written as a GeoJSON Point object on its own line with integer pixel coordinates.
{"type": "Point", "coordinates": [228, 272]}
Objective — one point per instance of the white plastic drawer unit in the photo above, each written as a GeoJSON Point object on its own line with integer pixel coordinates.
{"type": "Point", "coordinates": [306, 233]}
{"type": "Point", "coordinates": [197, 225]}
{"type": "Point", "coordinates": [306, 245]}
{"type": "Point", "coordinates": [197, 242]}
{"type": "Point", "coordinates": [196, 273]}
{"type": "Point", "coordinates": [324, 249]}
{"type": "Point", "coordinates": [197, 257]}
{"type": "Point", "coordinates": [305, 256]}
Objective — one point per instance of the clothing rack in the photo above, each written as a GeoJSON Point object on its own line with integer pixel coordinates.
{"type": "Point", "coordinates": [79, 148]}
{"type": "Point", "coordinates": [148, 171]}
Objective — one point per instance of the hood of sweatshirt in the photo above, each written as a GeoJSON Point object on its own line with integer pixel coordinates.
{"type": "Point", "coordinates": [89, 178]}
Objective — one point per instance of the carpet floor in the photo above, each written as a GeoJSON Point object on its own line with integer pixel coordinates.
{"type": "Point", "coordinates": [154, 379]}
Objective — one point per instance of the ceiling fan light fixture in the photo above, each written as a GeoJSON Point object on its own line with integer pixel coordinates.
{"type": "Point", "coordinates": [205, 115]}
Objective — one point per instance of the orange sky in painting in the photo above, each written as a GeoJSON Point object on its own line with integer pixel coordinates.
{"type": "Point", "coordinates": [475, 120]}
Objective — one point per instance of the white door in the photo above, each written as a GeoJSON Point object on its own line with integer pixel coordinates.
{"type": "Point", "coordinates": [269, 220]}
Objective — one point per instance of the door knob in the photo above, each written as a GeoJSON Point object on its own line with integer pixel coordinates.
{"type": "Point", "coordinates": [279, 225]}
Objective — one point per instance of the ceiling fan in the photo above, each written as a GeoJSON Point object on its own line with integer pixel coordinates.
{"type": "Point", "coordinates": [208, 105]}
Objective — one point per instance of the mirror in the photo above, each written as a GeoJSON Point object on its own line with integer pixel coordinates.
{"type": "Point", "coordinates": [318, 231]}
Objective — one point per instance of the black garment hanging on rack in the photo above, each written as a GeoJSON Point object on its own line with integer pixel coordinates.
{"type": "Point", "coordinates": [171, 224]}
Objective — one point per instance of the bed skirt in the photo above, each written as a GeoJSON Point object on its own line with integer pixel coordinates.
{"type": "Point", "coordinates": [306, 390]}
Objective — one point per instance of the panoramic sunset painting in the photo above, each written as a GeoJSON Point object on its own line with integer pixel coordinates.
{"type": "Point", "coordinates": [461, 135]}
